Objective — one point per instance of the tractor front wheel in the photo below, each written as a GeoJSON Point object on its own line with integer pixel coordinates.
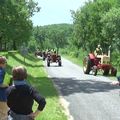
{"type": "Point", "coordinates": [113, 71]}
{"type": "Point", "coordinates": [94, 70]}
{"type": "Point", "coordinates": [106, 72]}
{"type": "Point", "coordinates": [48, 63]}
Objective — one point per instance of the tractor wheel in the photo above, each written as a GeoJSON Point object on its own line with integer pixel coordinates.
{"type": "Point", "coordinates": [95, 70]}
{"type": "Point", "coordinates": [106, 72]}
{"type": "Point", "coordinates": [86, 65]}
{"type": "Point", "coordinates": [43, 58]}
{"type": "Point", "coordinates": [59, 63]}
{"type": "Point", "coordinates": [48, 63]}
{"type": "Point", "coordinates": [113, 71]}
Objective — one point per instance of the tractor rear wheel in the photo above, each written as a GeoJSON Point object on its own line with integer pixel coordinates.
{"type": "Point", "coordinates": [86, 65]}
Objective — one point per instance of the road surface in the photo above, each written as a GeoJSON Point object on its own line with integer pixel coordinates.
{"type": "Point", "coordinates": [89, 97]}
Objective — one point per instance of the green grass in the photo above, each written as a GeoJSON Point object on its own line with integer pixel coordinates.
{"type": "Point", "coordinates": [74, 60]}
{"type": "Point", "coordinates": [37, 77]}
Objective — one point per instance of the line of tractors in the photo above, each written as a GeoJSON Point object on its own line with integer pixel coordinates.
{"type": "Point", "coordinates": [91, 63]}
{"type": "Point", "coordinates": [50, 57]}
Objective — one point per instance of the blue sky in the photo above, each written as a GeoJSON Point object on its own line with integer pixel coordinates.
{"type": "Point", "coordinates": [55, 11]}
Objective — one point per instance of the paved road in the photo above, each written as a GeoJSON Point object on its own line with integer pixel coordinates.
{"type": "Point", "coordinates": [89, 97]}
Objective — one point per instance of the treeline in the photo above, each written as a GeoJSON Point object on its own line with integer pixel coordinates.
{"type": "Point", "coordinates": [51, 36]}
{"type": "Point", "coordinates": [97, 22]}
{"type": "Point", "coordinates": [15, 24]}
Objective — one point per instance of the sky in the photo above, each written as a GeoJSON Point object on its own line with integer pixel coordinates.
{"type": "Point", "coordinates": [55, 11]}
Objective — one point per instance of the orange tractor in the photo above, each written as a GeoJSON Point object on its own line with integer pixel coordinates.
{"type": "Point", "coordinates": [92, 63]}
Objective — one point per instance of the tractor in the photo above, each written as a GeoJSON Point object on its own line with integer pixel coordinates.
{"type": "Point", "coordinates": [53, 58]}
{"type": "Point", "coordinates": [92, 63]}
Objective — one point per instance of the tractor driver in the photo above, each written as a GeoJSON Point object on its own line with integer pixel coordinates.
{"type": "Point", "coordinates": [98, 50]}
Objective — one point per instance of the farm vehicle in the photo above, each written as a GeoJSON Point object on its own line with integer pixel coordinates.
{"type": "Point", "coordinates": [94, 63]}
{"type": "Point", "coordinates": [53, 58]}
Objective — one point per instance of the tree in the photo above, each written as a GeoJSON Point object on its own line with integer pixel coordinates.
{"type": "Point", "coordinates": [88, 25]}
{"type": "Point", "coordinates": [15, 25]}
{"type": "Point", "coordinates": [111, 28]}
{"type": "Point", "coordinates": [52, 36]}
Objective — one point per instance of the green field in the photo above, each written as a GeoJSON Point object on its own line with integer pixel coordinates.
{"type": "Point", "coordinates": [37, 77]}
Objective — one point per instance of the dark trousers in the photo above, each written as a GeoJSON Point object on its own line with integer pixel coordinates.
{"type": "Point", "coordinates": [14, 116]}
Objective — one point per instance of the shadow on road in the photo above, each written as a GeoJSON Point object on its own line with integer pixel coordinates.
{"type": "Point", "coordinates": [69, 86]}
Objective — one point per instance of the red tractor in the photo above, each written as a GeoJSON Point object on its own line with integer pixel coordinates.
{"type": "Point", "coordinates": [92, 63]}
{"type": "Point", "coordinates": [53, 58]}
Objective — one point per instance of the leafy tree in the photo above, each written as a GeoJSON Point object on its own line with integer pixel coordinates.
{"type": "Point", "coordinates": [111, 26]}
{"type": "Point", "coordinates": [52, 36]}
{"type": "Point", "coordinates": [15, 25]}
{"type": "Point", "coordinates": [88, 25]}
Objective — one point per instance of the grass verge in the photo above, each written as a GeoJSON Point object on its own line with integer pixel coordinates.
{"type": "Point", "coordinates": [37, 77]}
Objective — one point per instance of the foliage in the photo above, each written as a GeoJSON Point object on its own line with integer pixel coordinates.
{"type": "Point", "coordinates": [87, 24]}
{"type": "Point", "coordinates": [15, 25]}
{"type": "Point", "coordinates": [38, 78]}
{"type": "Point", "coordinates": [52, 36]}
{"type": "Point", "coordinates": [111, 26]}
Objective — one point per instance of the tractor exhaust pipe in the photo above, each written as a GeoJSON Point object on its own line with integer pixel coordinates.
{"type": "Point", "coordinates": [109, 51]}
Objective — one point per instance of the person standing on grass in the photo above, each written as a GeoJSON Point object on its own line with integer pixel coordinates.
{"type": "Point", "coordinates": [3, 98]}
{"type": "Point", "coordinates": [20, 97]}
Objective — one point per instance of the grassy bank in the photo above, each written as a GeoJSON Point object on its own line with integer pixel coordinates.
{"type": "Point", "coordinates": [37, 76]}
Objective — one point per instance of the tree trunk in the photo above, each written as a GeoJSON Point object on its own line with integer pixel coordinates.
{"type": "Point", "coordinates": [0, 43]}
{"type": "Point", "coordinates": [5, 45]}
{"type": "Point", "coordinates": [14, 45]}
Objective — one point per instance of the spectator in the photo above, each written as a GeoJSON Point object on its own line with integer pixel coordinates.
{"type": "Point", "coordinates": [3, 105]}
{"type": "Point", "coordinates": [20, 97]}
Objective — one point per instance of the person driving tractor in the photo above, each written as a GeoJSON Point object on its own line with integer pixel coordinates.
{"type": "Point", "coordinates": [98, 50]}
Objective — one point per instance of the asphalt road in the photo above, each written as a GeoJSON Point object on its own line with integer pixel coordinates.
{"type": "Point", "coordinates": [89, 97]}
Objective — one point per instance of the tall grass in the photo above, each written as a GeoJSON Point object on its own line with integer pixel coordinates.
{"type": "Point", "coordinates": [74, 55]}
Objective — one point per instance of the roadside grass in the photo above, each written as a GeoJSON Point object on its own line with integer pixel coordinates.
{"type": "Point", "coordinates": [74, 60]}
{"type": "Point", "coordinates": [37, 77]}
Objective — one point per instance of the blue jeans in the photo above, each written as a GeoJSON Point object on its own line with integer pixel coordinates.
{"type": "Point", "coordinates": [3, 96]}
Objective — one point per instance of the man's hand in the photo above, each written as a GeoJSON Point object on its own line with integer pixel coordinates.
{"type": "Point", "coordinates": [35, 114]}
{"type": "Point", "coordinates": [115, 83]}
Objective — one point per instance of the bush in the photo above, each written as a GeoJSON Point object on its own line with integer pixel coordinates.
{"type": "Point", "coordinates": [115, 58]}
